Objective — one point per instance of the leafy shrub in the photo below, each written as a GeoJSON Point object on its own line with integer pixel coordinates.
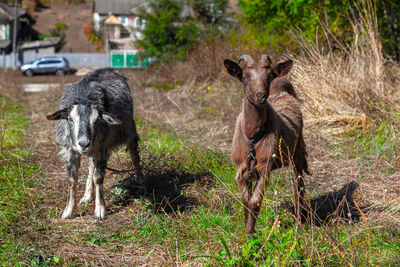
{"type": "Point", "coordinates": [271, 22]}
{"type": "Point", "coordinates": [210, 12]}
{"type": "Point", "coordinates": [59, 31]}
{"type": "Point", "coordinates": [167, 33]}
{"type": "Point", "coordinates": [93, 36]}
{"type": "Point", "coordinates": [173, 27]}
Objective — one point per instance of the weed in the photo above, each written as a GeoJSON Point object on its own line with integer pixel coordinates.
{"type": "Point", "coordinates": [16, 181]}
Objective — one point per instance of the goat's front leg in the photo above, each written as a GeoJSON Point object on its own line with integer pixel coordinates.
{"type": "Point", "coordinates": [242, 177]}
{"type": "Point", "coordinates": [256, 199]}
{"type": "Point", "coordinates": [88, 196]}
{"type": "Point", "coordinates": [98, 178]}
{"type": "Point", "coordinates": [133, 147]}
{"type": "Point", "coordinates": [72, 165]}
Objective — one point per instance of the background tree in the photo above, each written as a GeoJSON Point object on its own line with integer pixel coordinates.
{"type": "Point", "coordinates": [210, 13]}
{"type": "Point", "coordinates": [167, 34]}
{"type": "Point", "coordinates": [175, 26]}
{"type": "Point", "coordinates": [388, 13]}
{"type": "Point", "coordinates": [271, 22]}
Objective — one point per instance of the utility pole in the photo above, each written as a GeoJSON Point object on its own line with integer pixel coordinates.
{"type": "Point", "coordinates": [15, 35]}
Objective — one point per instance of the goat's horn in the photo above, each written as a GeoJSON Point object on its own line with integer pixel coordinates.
{"type": "Point", "coordinates": [245, 58]}
{"type": "Point", "coordinates": [266, 59]}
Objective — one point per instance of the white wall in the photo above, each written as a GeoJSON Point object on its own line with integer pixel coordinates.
{"type": "Point", "coordinates": [97, 22]}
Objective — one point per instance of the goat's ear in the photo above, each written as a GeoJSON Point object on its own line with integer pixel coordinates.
{"type": "Point", "coordinates": [233, 69]}
{"type": "Point", "coordinates": [110, 119]}
{"type": "Point", "coordinates": [58, 115]}
{"type": "Point", "coordinates": [283, 68]}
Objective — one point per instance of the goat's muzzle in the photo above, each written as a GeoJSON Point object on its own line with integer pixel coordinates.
{"type": "Point", "coordinates": [261, 97]}
{"type": "Point", "coordinates": [84, 144]}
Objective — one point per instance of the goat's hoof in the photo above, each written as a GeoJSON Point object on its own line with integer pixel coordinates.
{"type": "Point", "coordinates": [67, 214]}
{"type": "Point", "coordinates": [100, 213]}
{"type": "Point", "coordinates": [85, 201]}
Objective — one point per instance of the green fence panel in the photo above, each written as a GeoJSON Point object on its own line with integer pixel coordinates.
{"type": "Point", "coordinates": [132, 60]}
{"type": "Point", "coordinates": [117, 60]}
{"type": "Point", "coordinates": [128, 59]}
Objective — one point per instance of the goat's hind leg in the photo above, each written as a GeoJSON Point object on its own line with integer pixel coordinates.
{"type": "Point", "coordinates": [72, 165]}
{"type": "Point", "coordinates": [301, 166]}
{"type": "Point", "coordinates": [299, 188]}
{"type": "Point", "coordinates": [88, 196]}
{"type": "Point", "coordinates": [98, 178]}
{"type": "Point", "coordinates": [133, 147]}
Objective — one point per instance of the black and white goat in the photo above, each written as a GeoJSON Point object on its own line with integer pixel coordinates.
{"type": "Point", "coordinates": [95, 116]}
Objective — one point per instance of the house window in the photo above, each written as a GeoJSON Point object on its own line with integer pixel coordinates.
{"type": "Point", "coordinates": [3, 31]}
{"type": "Point", "coordinates": [123, 19]}
{"type": "Point", "coordinates": [136, 22]}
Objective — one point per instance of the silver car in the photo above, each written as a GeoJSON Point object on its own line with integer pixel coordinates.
{"type": "Point", "coordinates": [55, 64]}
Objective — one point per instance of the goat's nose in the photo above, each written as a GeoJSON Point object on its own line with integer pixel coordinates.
{"type": "Point", "coordinates": [261, 96]}
{"type": "Point", "coordinates": [84, 143]}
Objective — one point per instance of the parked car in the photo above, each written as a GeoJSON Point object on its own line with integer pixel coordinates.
{"type": "Point", "coordinates": [54, 64]}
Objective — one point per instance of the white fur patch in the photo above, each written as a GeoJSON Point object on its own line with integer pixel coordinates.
{"type": "Point", "coordinates": [76, 119]}
{"type": "Point", "coordinates": [94, 116]}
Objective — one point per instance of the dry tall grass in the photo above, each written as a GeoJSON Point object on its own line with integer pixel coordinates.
{"type": "Point", "coordinates": [347, 83]}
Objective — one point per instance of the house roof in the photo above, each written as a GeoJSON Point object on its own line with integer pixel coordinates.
{"type": "Point", "coordinates": [112, 20]}
{"type": "Point", "coordinates": [7, 12]}
{"type": "Point", "coordinates": [117, 7]}
{"type": "Point", "coordinates": [52, 41]}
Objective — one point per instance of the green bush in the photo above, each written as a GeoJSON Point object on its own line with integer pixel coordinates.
{"type": "Point", "coordinates": [59, 31]}
{"type": "Point", "coordinates": [171, 30]}
{"type": "Point", "coordinates": [167, 34]}
{"type": "Point", "coordinates": [210, 12]}
{"type": "Point", "coordinates": [272, 22]}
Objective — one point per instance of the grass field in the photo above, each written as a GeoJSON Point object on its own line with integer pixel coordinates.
{"type": "Point", "coordinates": [17, 177]}
{"type": "Point", "coordinates": [189, 211]}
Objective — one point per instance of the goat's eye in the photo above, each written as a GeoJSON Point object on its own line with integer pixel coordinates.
{"type": "Point", "coordinates": [70, 119]}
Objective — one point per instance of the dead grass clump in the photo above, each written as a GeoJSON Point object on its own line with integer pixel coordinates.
{"type": "Point", "coordinates": [349, 80]}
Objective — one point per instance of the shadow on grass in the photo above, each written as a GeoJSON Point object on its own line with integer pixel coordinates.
{"type": "Point", "coordinates": [164, 189]}
{"type": "Point", "coordinates": [333, 206]}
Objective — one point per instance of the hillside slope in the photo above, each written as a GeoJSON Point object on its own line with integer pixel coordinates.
{"type": "Point", "coordinates": [74, 17]}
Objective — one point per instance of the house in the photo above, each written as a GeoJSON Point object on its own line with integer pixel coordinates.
{"type": "Point", "coordinates": [119, 21]}
{"type": "Point", "coordinates": [7, 25]}
{"type": "Point", "coordinates": [45, 46]}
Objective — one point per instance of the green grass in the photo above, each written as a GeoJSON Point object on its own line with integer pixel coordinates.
{"type": "Point", "coordinates": [206, 227]}
{"type": "Point", "coordinates": [380, 141]}
{"type": "Point", "coordinates": [16, 179]}
{"type": "Point", "coordinates": [214, 233]}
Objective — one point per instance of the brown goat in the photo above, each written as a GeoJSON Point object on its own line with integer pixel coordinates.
{"type": "Point", "coordinates": [268, 132]}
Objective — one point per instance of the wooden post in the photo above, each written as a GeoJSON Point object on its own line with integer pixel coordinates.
{"type": "Point", "coordinates": [15, 36]}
